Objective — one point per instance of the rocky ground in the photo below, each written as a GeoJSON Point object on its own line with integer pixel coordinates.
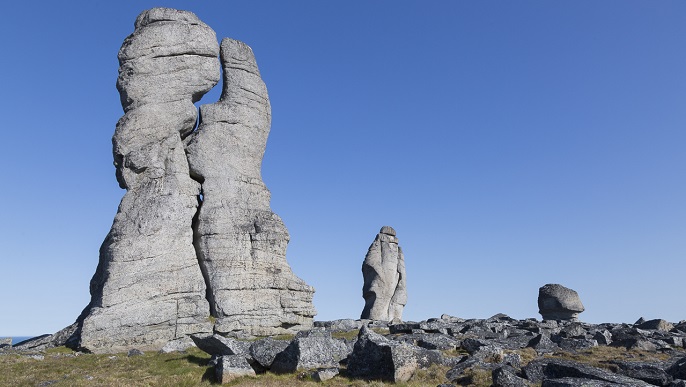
{"type": "Point", "coordinates": [498, 351]}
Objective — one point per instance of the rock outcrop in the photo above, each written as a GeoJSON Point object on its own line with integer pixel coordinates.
{"type": "Point", "coordinates": [383, 270]}
{"type": "Point", "coordinates": [167, 265]}
{"type": "Point", "coordinates": [556, 302]}
{"type": "Point", "coordinates": [241, 243]}
{"type": "Point", "coordinates": [148, 287]}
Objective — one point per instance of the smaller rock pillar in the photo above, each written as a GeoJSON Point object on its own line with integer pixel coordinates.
{"type": "Point", "coordinates": [384, 289]}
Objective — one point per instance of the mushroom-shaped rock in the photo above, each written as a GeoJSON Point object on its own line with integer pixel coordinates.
{"type": "Point", "coordinates": [556, 302]}
{"type": "Point", "coordinates": [383, 270]}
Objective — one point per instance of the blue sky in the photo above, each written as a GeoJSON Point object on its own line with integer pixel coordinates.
{"type": "Point", "coordinates": [510, 144]}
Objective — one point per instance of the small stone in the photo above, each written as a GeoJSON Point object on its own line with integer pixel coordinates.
{"type": "Point", "coordinates": [230, 367]}
{"type": "Point", "coordinates": [325, 374]}
{"type": "Point", "coordinates": [134, 352]}
{"type": "Point", "coordinates": [603, 337]}
{"type": "Point", "coordinates": [178, 345]}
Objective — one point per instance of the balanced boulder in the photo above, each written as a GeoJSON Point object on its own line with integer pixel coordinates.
{"type": "Point", "coordinates": [556, 302]}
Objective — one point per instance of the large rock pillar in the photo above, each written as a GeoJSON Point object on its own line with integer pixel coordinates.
{"type": "Point", "coordinates": [240, 242]}
{"type": "Point", "coordinates": [148, 287]}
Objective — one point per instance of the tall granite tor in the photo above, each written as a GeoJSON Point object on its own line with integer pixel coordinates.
{"type": "Point", "coordinates": [241, 243]}
{"type": "Point", "coordinates": [383, 270]}
{"type": "Point", "coordinates": [167, 265]}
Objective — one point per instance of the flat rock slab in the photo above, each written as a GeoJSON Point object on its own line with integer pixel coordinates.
{"type": "Point", "coordinates": [218, 345]}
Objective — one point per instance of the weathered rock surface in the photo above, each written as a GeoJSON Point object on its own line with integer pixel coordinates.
{"type": "Point", "coordinates": [230, 367]}
{"type": "Point", "coordinates": [148, 288]}
{"type": "Point", "coordinates": [6, 342]}
{"type": "Point", "coordinates": [220, 345]}
{"type": "Point", "coordinates": [548, 368]}
{"type": "Point", "coordinates": [383, 270]}
{"type": "Point", "coordinates": [194, 235]}
{"type": "Point", "coordinates": [178, 345]}
{"type": "Point", "coordinates": [241, 243]}
{"type": "Point", "coordinates": [309, 350]}
{"type": "Point", "coordinates": [556, 302]}
{"type": "Point", "coordinates": [265, 350]}
{"type": "Point", "coordinates": [42, 342]}
{"type": "Point", "coordinates": [506, 376]}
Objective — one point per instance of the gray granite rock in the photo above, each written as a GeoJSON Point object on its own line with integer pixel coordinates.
{"type": "Point", "coordinates": [342, 325]}
{"type": "Point", "coordinates": [178, 345]}
{"type": "Point", "coordinates": [383, 270]}
{"type": "Point", "coordinates": [603, 337]}
{"type": "Point", "coordinates": [678, 369]}
{"type": "Point", "coordinates": [656, 324]}
{"type": "Point", "coordinates": [241, 243]}
{"type": "Point", "coordinates": [148, 288]}
{"type": "Point", "coordinates": [230, 367]}
{"type": "Point", "coordinates": [549, 368]}
{"type": "Point", "coordinates": [310, 350]}
{"type": "Point", "coordinates": [556, 302]}
{"type": "Point", "coordinates": [506, 376]}
{"type": "Point", "coordinates": [134, 352]}
{"type": "Point", "coordinates": [374, 357]}
{"type": "Point", "coordinates": [265, 350]}
{"type": "Point", "coordinates": [653, 373]}
{"type": "Point", "coordinates": [219, 345]}
{"type": "Point", "coordinates": [6, 342]}
{"type": "Point", "coordinates": [542, 344]}
{"type": "Point", "coordinates": [325, 374]}
{"type": "Point", "coordinates": [43, 342]}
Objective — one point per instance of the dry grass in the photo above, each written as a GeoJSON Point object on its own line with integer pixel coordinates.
{"type": "Point", "coordinates": [599, 356]}
{"type": "Point", "coordinates": [62, 367]}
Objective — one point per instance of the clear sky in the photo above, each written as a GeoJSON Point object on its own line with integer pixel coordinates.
{"type": "Point", "coordinates": [510, 143]}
